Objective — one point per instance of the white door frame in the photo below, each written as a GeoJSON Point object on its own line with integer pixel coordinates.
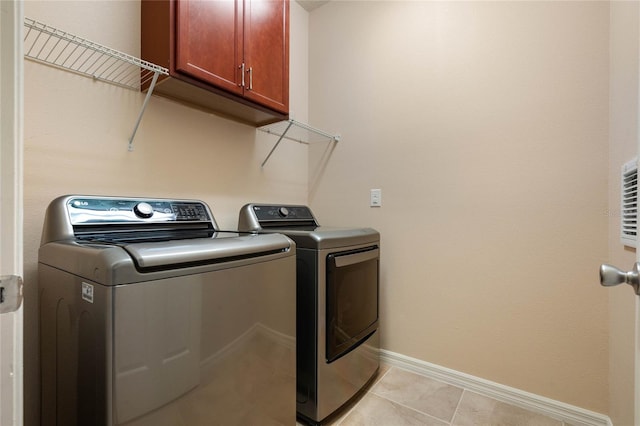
{"type": "Point", "coordinates": [636, 364]}
{"type": "Point", "coordinates": [636, 402]}
{"type": "Point", "coordinates": [11, 190]}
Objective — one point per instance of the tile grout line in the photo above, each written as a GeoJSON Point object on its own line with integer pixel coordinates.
{"type": "Point", "coordinates": [383, 376]}
{"type": "Point", "coordinates": [411, 408]}
{"type": "Point", "coordinates": [455, 412]}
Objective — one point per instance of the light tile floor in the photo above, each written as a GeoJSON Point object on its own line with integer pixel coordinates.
{"type": "Point", "coordinates": [399, 397]}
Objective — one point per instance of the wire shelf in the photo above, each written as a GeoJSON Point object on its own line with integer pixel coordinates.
{"type": "Point", "coordinates": [296, 131]}
{"type": "Point", "coordinates": [48, 45]}
{"type": "Point", "coordinates": [51, 46]}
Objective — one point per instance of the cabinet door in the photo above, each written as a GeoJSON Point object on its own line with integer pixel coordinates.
{"type": "Point", "coordinates": [266, 53]}
{"type": "Point", "coordinates": [209, 41]}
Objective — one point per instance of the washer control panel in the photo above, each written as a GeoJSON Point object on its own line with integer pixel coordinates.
{"type": "Point", "coordinates": [87, 210]}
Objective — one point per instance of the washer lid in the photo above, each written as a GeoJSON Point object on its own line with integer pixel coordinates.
{"type": "Point", "coordinates": [115, 264]}
{"type": "Point", "coordinates": [171, 254]}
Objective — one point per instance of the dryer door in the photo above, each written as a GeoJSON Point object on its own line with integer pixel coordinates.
{"type": "Point", "coordinates": [352, 299]}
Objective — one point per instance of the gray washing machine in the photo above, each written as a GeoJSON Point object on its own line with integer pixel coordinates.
{"type": "Point", "coordinates": [149, 315]}
{"type": "Point", "coordinates": [337, 305]}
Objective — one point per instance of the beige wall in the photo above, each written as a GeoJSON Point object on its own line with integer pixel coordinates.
{"type": "Point", "coordinates": [485, 124]}
{"type": "Point", "coordinates": [76, 134]}
{"type": "Point", "coordinates": [486, 120]}
{"type": "Point", "coordinates": [623, 138]}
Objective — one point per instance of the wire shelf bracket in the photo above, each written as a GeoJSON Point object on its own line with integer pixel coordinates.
{"type": "Point", "coordinates": [296, 131]}
{"type": "Point", "coordinates": [50, 46]}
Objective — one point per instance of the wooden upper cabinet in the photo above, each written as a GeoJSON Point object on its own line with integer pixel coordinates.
{"type": "Point", "coordinates": [209, 41]}
{"type": "Point", "coordinates": [229, 56]}
{"type": "Point", "coordinates": [266, 52]}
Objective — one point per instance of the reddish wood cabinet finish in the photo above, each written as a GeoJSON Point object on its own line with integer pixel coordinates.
{"type": "Point", "coordinates": [235, 49]}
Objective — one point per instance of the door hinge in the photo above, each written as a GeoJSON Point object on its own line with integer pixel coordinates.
{"type": "Point", "coordinates": [10, 293]}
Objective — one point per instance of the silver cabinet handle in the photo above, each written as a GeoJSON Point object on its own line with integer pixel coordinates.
{"type": "Point", "coordinates": [250, 78]}
{"type": "Point", "coordinates": [242, 72]}
{"type": "Point", "coordinates": [610, 276]}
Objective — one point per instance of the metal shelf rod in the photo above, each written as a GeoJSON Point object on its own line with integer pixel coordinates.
{"type": "Point", "coordinates": [277, 143]}
{"type": "Point", "coordinates": [144, 107]}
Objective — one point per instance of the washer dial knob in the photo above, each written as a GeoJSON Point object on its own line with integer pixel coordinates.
{"type": "Point", "coordinates": [143, 210]}
{"type": "Point", "coordinates": [283, 211]}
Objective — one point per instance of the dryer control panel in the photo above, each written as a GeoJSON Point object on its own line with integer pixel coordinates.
{"type": "Point", "coordinates": [271, 213]}
{"type": "Point", "coordinates": [255, 217]}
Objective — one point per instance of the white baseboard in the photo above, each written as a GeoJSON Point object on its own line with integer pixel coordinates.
{"type": "Point", "coordinates": [539, 404]}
